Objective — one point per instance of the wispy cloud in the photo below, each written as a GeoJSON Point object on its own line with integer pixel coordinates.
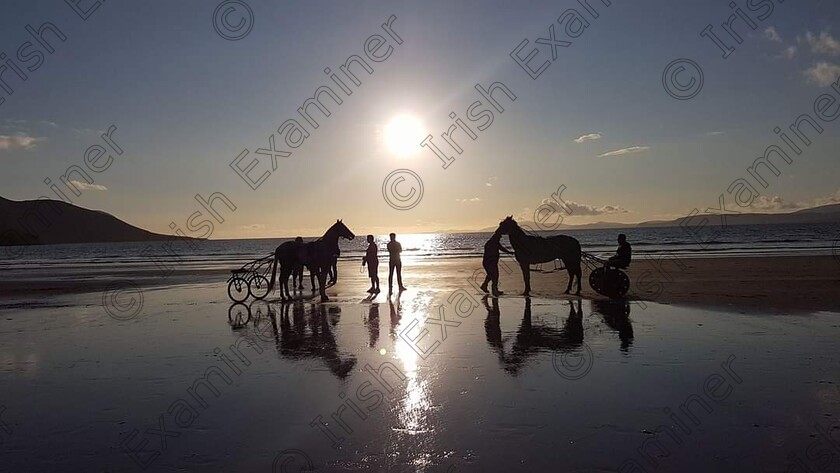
{"type": "Point", "coordinates": [823, 73]}
{"type": "Point", "coordinates": [588, 137]}
{"type": "Point", "coordinates": [464, 201]}
{"type": "Point", "coordinates": [715, 133]}
{"type": "Point", "coordinates": [787, 53]}
{"type": "Point", "coordinates": [84, 186]}
{"type": "Point", "coordinates": [778, 204]}
{"type": "Point", "coordinates": [18, 141]}
{"type": "Point", "coordinates": [623, 151]}
{"type": "Point", "coordinates": [491, 181]}
{"type": "Point", "coordinates": [823, 43]}
{"type": "Point", "coordinates": [773, 35]}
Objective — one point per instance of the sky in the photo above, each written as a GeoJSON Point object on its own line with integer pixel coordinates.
{"type": "Point", "coordinates": [191, 85]}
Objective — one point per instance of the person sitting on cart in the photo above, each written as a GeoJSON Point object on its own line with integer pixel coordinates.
{"type": "Point", "coordinates": [490, 261]}
{"type": "Point", "coordinates": [297, 271]}
{"type": "Point", "coordinates": [622, 256]}
{"type": "Point", "coordinates": [371, 260]}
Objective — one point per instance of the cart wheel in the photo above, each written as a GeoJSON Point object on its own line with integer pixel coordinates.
{"type": "Point", "coordinates": [237, 289]}
{"type": "Point", "coordinates": [258, 286]}
{"type": "Point", "coordinates": [597, 281]}
{"type": "Point", "coordinates": [619, 284]}
{"type": "Point", "coordinates": [239, 315]}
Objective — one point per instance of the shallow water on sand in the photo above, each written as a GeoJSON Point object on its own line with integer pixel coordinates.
{"type": "Point", "coordinates": [492, 385]}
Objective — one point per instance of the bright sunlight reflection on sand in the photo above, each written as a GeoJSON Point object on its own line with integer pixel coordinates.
{"type": "Point", "coordinates": [415, 407]}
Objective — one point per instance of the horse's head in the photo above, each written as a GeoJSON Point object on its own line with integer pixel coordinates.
{"type": "Point", "coordinates": [342, 230]}
{"type": "Point", "coordinates": [507, 225]}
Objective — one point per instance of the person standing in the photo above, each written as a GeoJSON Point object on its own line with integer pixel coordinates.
{"type": "Point", "coordinates": [394, 262]}
{"type": "Point", "coordinates": [490, 261]}
{"type": "Point", "coordinates": [371, 260]}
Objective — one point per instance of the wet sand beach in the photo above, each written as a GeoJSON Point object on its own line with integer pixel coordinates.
{"type": "Point", "coordinates": [755, 284]}
{"type": "Point", "coordinates": [438, 379]}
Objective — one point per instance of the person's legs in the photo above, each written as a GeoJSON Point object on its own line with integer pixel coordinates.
{"type": "Point", "coordinates": [494, 277]}
{"type": "Point", "coordinates": [487, 269]}
{"type": "Point", "coordinates": [399, 275]}
{"type": "Point", "coordinates": [391, 266]}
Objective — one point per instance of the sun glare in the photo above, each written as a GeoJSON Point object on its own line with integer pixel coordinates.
{"type": "Point", "coordinates": [403, 135]}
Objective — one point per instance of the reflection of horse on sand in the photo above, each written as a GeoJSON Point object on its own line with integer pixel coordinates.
{"type": "Point", "coordinates": [316, 255]}
{"type": "Point", "coordinates": [300, 337]}
{"type": "Point", "coordinates": [532, 338]}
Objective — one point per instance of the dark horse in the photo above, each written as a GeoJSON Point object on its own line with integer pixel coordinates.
{"type": "Point", "coordinates": [316, 255]}
{"type": "Point", "coordinates": [531, 249]}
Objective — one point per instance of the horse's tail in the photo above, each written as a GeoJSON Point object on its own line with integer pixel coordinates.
{"type": "Point", "coordinates": [273, 272]}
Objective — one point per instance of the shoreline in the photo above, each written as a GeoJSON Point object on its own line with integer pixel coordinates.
{"type": "Point", "coordinates": [754, 284]}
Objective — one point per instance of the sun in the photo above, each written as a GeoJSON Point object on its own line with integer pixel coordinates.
{"type": "Point", "coordinates": [403, 135]}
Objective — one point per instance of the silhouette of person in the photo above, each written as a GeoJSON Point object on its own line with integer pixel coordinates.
{"type": "Point", "coordinates": [371, 260]}
{"type": "Point", "coordinates": [622, 255]}
{"type": "Point", "coordinates": [297, 272]}
{"type": "Point", "coordinates": [490, 261]}
{"type": "Point", "coordinates": [394, 262]}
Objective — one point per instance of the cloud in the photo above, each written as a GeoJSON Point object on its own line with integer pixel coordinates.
{"type": "Point", "coordinates": [474, 199]}
{"type": "Point", "coordinates": [715, 133]}
{"type": "Point", "coordinates": [84, 186]}
{"type": "Point", "coordinates": [18, 141]}
{"type": "Point", "coordinates": [777, 204]}
{"type": "Point", "coordinates": [253, 227]}
{"type": "Point", "coordinates": [787, 53]}
{"type": "Point", "coordinates": [763, 202]}
{"type": "Point", "coordinates": [491, 181]}
{"type": "Point", "coordinates": [823, 43]}
{"type": "Point", "coordinates": [623, 151]}
{"type": "Point", "coordinates": [588, 137]}
{"type": "Point", "coordinates": [771, 34]}
{"type": "Point", "coordinates": [576, 209]}
{"type": "Point", "coordinates": [823, 73]}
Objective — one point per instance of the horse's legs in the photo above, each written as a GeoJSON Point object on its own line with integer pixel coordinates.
{"type": "Point", "coordinates": [526, 276]}
{"type": "Point", "coordinates": [322, 282]}
{"type": "Point", "coordinates": [284, 284]}
{"type": "Point", "coordinates": [571, 272]}
{"type": "Point", "coordinates": [312, 278]}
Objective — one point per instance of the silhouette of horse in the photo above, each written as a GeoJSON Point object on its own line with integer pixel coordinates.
{"type": "Point", "coordinates": [316, 255]}
{"type": "Point", "coordinates": [531, 249]}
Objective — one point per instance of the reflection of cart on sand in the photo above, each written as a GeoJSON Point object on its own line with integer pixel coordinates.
{"type": "Point", "coordinates": [251, 279]}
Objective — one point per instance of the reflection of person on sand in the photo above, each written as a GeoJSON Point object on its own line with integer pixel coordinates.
{"type": "Point", "coordinates": [623, 255]}
{"type": "Point", "coordinates": [490, 262]}
{"type": "Point", "coordinates": [617, 317]}
{"type": "Point", "coordinates": [394, 262]}
{"type": "Point", "coordinates": [371, 260]}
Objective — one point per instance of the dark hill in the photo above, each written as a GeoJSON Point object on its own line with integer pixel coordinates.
{"type": "Point", "coordinates": [42, 221]}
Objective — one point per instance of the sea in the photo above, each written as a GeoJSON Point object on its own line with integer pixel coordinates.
{"type": "Point", "coordinates": [732, 240]}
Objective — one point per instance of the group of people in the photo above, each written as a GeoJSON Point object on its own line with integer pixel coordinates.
{"type": "Point", "coordinates": [371, 260]}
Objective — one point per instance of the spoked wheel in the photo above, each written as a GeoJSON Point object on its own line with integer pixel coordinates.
{"type": "Point", "coordinates": [238, 289]}
{"type": "Point", "coordinates": [239, 315]}
{"type": "Point", "coordinates": [613, 284]}
{"type": "Point", "coordinates": [258, 287]}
